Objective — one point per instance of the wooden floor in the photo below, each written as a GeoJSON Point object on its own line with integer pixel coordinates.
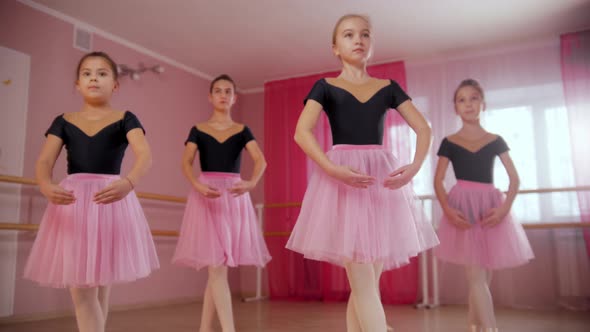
{"type": "Point", "coordinates": [316, 317]}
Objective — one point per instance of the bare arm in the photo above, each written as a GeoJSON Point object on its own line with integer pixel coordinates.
{"type": "Point", "coordinates": [305, 138]}
{"type": "Point", "coordinates": [495, 216]}
{"type": "Point", "coordinates": [307, 142]}
{"type": "Point", "coordinates": [143, 155]}
{"type": "Point", "coordinates": [417, 122]}
{"type": "Point", "coordinates": [46, 161]}
{"type": "Point", "coordinates": [44, 170]}
{"type": "Point", "coordinates": [259, 167]}
{"type": "Point", "coordinates": [439, 188]}
{"type": "Point", "coordinates": [117, 190]}
{"type": "Point", "coordinates": [454, 216]}
{"type": "Point", "coordinates": [514, 180]}
{"type": "Point", "coordinates": [259, 161]}
{"type": "Point", "coordinates": [188, 159]}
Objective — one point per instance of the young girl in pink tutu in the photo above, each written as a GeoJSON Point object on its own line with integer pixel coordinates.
{"type": "Point", "coordinates": [357, 211]}
{"type": "Point", "coordinates": [93, 232]}
{"type": "Point", "coordinates": [477, 230]}
{"type": "Point", "coordinates": [219, 227]}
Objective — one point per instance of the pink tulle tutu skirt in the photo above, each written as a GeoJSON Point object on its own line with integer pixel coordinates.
{"type": "Point", "coordinates": [85, 244]}
{"type": "Point", "coordinates": [339, 223]}
{"type": "Point", "coordinates": [502, 246]}
{"type": "Point", "coordinates": [220, 231]}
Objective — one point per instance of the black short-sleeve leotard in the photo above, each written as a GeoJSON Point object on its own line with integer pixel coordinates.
{"type": "Point", "coordinates": [101, 153]}
{"type": "Point", "coordinates": [475, 166]}
{"type": "Point", "coordinates": [352, 121]}
{"type": "Point", "coordinates": [218, 156]}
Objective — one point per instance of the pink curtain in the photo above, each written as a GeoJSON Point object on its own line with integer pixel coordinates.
{"type": "Point", "coordinates": [291, 276]}
{"type": "Point", "coordinates": [575, 71]}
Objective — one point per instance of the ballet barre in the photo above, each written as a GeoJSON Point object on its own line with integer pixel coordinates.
{"type": "Point", "coordinates": [144, 195]}
{"type": "Point", "coordinates": [12, 226]}
{"type": "Point", "coordinates": [258, 296]}
{"type": "Point", "coordinates": [34, 227]}
{"type": "Point", "coordinates": [15, 226]}
{"type": "Point", "coordinates": [259, 209]}
{"type": "Point", "coordinates": [427, 302]}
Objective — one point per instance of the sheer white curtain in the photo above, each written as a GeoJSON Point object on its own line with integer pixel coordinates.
{"type": "Point", "coordinates": [525, 104]}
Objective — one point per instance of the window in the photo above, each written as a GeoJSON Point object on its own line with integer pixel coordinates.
{"type": "Point", "coordinates": [540, 148]}
{"type": "Point", "coordinates": [537, 132]}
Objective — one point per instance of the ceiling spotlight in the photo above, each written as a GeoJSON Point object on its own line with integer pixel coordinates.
{"type": "Point", "coordinates": [134, 74]}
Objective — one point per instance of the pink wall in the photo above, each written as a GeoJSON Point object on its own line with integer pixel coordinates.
{"type": "Point", "coordinates": [167, 105]}
{"type": "Point", "coordinates": [250, 110]}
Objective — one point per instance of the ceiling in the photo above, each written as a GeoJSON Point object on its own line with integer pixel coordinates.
{"type": "Point", "coordinates": [260, 40]}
